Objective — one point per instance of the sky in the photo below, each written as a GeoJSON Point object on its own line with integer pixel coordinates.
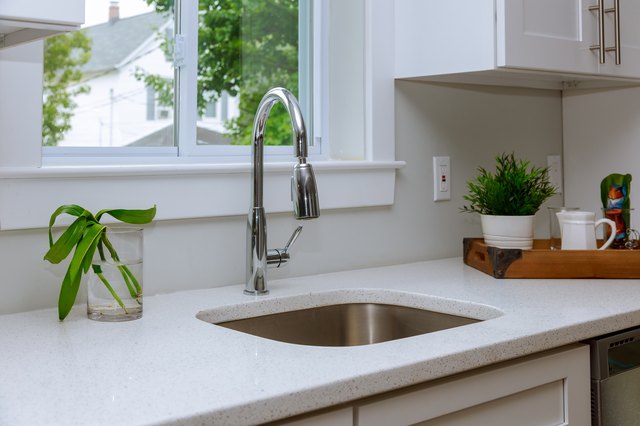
{"type": "Point", "coordinates": [97, 11]}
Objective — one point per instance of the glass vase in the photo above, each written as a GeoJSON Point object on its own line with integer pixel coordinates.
{"type": "Point", "coordinates": [115, 276]}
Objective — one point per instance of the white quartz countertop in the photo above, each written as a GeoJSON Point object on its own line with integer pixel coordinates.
{"type": "Point", "coordinates": [171, 368]}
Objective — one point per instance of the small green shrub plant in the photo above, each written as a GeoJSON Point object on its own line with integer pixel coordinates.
{"type": "Point", "coordinates": [515, 189]}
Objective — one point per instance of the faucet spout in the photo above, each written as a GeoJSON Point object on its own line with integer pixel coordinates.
{"type": "Point", "coordinates": [304, 192]}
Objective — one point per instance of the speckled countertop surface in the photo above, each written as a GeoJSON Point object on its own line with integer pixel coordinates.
{"type": "Point", "coordinates": [170, 367]}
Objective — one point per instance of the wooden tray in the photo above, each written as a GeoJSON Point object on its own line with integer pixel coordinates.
{"type": "Point", "coordinates": [541, 262]}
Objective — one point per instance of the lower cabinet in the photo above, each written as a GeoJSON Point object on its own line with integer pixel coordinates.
{"type": "Point", "coordinates": [339, 417]}
{"type": "Point", "coordinates": [549, 388]}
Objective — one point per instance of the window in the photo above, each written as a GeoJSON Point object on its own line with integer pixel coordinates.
{"type": "Point", "coordinates": [113, 84]}
{"type": "Point", "coordinates": [356, 97]}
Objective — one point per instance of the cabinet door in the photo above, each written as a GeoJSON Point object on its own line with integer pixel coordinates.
{"type": "Point", "coordinates": [629, 14]}
{"type": "Point", "coordinates": [548, 388]}
{"type": "Point", "coordinates": [547, 35]}
{"type": "Point", "coordinates": [436, 37]}
{"type": "Point", "coordinates": [342, 417]}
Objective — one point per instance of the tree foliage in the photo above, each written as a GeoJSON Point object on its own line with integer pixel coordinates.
{"type": "Point", "coordinates": [64, 55]}
{"type": "Point", "coordinates": [245, 47]}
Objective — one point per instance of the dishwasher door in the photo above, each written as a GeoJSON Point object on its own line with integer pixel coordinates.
{"type": "Point", "coordinates": [615, 379]}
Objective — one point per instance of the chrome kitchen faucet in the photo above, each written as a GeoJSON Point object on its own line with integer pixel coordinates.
{"type": "Point", "coordinates": [304, 193]}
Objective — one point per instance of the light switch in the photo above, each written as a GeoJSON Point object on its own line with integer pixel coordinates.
{"type": "Point", "coordinates": [441, 178]}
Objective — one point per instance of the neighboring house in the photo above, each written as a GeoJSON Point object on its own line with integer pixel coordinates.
{"type": "Point", "coordinates": [120, 110]}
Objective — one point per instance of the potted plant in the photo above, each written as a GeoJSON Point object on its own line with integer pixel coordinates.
{"type": "Point", "coordinates": [95, 252]}
{"type": "Point", "coordinates": [507, 200]}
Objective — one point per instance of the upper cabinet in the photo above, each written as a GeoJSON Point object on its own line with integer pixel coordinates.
{"type": "Point", "coordinates": [22, 21]}
{"type": "Point", "coordinates": [532, 43]}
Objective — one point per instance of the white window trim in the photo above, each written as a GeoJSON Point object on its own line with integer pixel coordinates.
{"type": "Point", "coordinates": [30, 192]}
{"type": "Point", "coordinates": [28, 196]}
{"type": "Point", "coordinates": [76, 156]}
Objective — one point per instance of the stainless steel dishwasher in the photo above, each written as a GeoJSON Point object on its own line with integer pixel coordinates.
{"type": "Point", "coordinates": [615, 379]}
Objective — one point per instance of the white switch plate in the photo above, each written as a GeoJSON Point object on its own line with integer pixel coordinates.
{"type": "Point", "coordinates": [441, 178]}
{"type": "Point", "coordinates": [554, 162]}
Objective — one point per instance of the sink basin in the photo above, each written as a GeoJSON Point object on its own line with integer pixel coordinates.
{"type": "Point", "coordinates": [350, 324]}
{"type": "Point", "coordinates": [348, 317]}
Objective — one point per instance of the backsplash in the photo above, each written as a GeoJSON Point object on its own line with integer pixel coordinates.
{"type": "Point", "coordinates": [601, 134]}
{"type": "Point", "coordinates": [471, 124]}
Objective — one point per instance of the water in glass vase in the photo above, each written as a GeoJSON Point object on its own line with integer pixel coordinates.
{"type": "Point", "coordinates": [115, 291]}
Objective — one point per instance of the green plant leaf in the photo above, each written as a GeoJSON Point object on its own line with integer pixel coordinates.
{"type": "Point", "coordinates": [67, 241]}
{"type": "Point", "coordinates": [92, 233]}
{"type": "Point", "coordinates": [132, 282]}
{"type": "Point", "coordinates": [68, 293]}
{"type": "Point", "coordinates": [138, 217]}
{"type": "Point", "coordinates": [71, 282]}
{"type": "Point", "coordinates": [133, 290]}
{"type": "Point", "coordinates": [112, 251]}
{"type": "Point", "coordinates": [514, 189]}
{"type": "Point", "coordinates": [70, 209]}
{"type": "Point", "coordinates": [88, 259]}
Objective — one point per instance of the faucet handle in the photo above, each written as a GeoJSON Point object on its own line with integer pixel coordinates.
{"type": "Point", "coordinates": [278, 257]}
{"type": "Point", "coordinates": [292, 239]}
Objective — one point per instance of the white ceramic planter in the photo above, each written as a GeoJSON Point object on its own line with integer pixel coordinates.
{"type": "Point", "coordinates": [508, 231]}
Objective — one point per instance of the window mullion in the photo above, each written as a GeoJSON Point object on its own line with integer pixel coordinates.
{"type": "Point", "coordinates": [186, 88]}
{"type": "Point", "coordinates": [305, 63]}
{"type": "Point", "coordinates": [320, 80]}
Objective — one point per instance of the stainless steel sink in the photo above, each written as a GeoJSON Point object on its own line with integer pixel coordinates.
{"type": "Point", "coordinates": [348, 324]}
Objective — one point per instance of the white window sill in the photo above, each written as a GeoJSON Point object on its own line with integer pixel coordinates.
{"type": "Point", "coordinates": [28, 196]}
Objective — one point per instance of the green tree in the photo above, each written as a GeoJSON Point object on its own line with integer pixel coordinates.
{"type": "Point", "coordinates": [64, 55]}
{"type": "Point", "coordinates": [245, 47]}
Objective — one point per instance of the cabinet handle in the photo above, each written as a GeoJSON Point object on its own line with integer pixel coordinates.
{"type": "Point", "coordinates": [600, 46]}
{"type": "Point", "coordinates": [616, 30]}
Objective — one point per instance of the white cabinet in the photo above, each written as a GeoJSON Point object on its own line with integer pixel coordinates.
{"type": "Point", "coordinates": [629, 41]}
{"type": "Point", "coordinates": [551, 387]}
{"type": "Point", "coordinates": [546, 35]}
{"type": "Point", "coordinates": [548, 388]}
{"type": "Point", "coordinates": [339, 417]}
{"type": "Point", "coordinates": [534, 43]}
{"type": "Point", "coordinates": [27, 20]}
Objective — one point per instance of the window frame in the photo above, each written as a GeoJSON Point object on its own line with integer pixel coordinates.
{"type": "Point", "coordinates": [30, 191]}
{"type": "Point", "coordinates": [186, 116]}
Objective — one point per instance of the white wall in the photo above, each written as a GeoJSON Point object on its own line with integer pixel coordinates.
{"type": "Point", "coordinates": [470, 123]}
{"type": "Point", "coordinates": [20, 104]}
{"type": "Point", "coordinates": [601, 136]}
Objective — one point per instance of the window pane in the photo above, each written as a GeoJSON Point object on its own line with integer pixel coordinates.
{"type": "Point", "coordinates": [245, 47]}
{"type": "Point", "coordinates": [111, 83]}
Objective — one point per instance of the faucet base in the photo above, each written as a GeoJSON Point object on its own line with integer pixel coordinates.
{"type": "Point", "coordinates": [256, 292]}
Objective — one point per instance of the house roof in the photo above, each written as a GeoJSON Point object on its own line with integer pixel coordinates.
{"type": "Point", "coordinates": [164, 137]}
{"type": "Point", "coordinates": [113, 42]}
